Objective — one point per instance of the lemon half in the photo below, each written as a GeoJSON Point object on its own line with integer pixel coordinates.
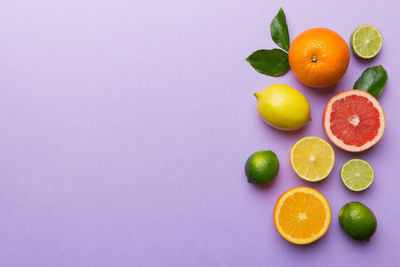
{"type": "Point", "coordinates": [312, 158]}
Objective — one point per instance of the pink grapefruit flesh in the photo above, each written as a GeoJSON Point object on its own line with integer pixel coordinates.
{"type": "Point", "coordinates": [354, 120]}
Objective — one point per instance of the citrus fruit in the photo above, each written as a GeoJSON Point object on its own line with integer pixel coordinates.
{"type": "Point", "coordinates": [357, 220]}
{"type": "Point", "coordinates": [302, 215]}
{"type": "Point", "coordinates": [312, 158]}
{"type": "Point", "coordinates": [283, 107]}
{"type": "Point", "coordinates": [319, 57]}
{"type": "Point", "coordinates": [357, 174]}
{"type": "Point", "coordinates": [261, 167]}
{"type": "Point", "coordinates": [354, 120]}
{"type": "Point", "coordinates": [366, 41]}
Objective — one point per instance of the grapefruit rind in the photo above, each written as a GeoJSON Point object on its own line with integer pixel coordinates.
{"type": "Point", "coordinates": [281, 201]}
{"type": "Point", "coordinates": [338, 142]}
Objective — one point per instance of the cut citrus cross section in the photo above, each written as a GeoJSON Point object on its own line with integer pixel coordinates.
{"type": "Point", "coordinates": [354, 120]}
{"type": "Point", "coordinates": [357, 174]}
{"type": "Point", "coordinates": [312, 158]}
{"type": "Point", "coordinates": [302, 215]}
{"type": "Point", "coordinates": [366, 41]}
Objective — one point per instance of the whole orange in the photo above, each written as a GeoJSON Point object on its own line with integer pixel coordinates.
{"type": "Point", "coordinates": [319, 57]}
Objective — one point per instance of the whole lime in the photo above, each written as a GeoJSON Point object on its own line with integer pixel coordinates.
{"type": "Point", "coordinates": [261, 167]}
{"type": "Point", "coordinates": [283, 107]}
{"type": "Point", "coordinates": [357, 220]}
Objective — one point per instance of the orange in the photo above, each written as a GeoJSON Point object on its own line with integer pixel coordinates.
{"type": "Point", "coordinates": [319, 57]}
{"type": "Point", "coordinates": [302, 215]}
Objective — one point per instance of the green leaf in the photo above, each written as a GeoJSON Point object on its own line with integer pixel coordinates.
{"type": "Point", "coordinates": [372, 80]}
{"type": "Point", "coordinates": [279, 31]}
{"type": "Point", "coordinates": [272, 62]}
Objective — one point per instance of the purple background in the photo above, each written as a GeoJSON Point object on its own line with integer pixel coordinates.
{"type": "Point", "coordinates": [125, 126]}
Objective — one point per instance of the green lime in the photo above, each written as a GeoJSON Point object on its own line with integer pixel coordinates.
{"type": "Point", "coordinates": [357, 220]}
{"type": "Point", "coordinates": [261, 167]}
{"type": "Point", "coordinates": [366, 41]}
{"type": "Point", "coordinates": [357, 174]}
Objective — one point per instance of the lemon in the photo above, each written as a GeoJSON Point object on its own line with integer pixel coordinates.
{"type": "Point", "coordinates": [283, 107]}
{"type": "Point", "coordinates": [312, 158]}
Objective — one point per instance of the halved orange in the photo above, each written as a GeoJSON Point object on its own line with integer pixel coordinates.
{"type": "Point", "coordinates": [302, 215]}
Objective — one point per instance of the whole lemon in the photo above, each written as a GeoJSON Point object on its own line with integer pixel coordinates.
{"type": "Point", "coordinates": [283, 107]}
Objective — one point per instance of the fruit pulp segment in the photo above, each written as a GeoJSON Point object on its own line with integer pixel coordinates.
{"type": "Point", "coordinates": [302, 216]}
{"type": "Point", "coordinates": [354, 120]}
{"type": "Point", "coordinates": [312, 159]}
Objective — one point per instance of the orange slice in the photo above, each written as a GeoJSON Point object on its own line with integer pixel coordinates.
{"type": "Point", "coordinates": [302, 215]}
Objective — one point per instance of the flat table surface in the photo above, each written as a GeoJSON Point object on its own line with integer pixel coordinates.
{"type": "Point", "coordinates": [125, 126]}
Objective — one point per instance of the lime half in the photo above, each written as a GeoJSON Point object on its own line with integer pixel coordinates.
{"type": "Point", "coordinates": [357, 174]}
{"type": "Point", "coordinates": [366, 41]}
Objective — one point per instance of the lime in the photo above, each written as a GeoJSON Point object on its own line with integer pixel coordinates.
{"type": "Point", "coordinates": [357, 174]}
{"type": "Point", "coordinates": [283, 107]}
{"type": "Point", "coordinates": [366, 41]}
{"type": "Point", "coordinates": [357, 220]}
{"type": "Point", "coordinates": [261, 167]}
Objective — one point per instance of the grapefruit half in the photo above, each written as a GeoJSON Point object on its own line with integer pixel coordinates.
{"type": "Point", "coordinates": [354, 120]}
